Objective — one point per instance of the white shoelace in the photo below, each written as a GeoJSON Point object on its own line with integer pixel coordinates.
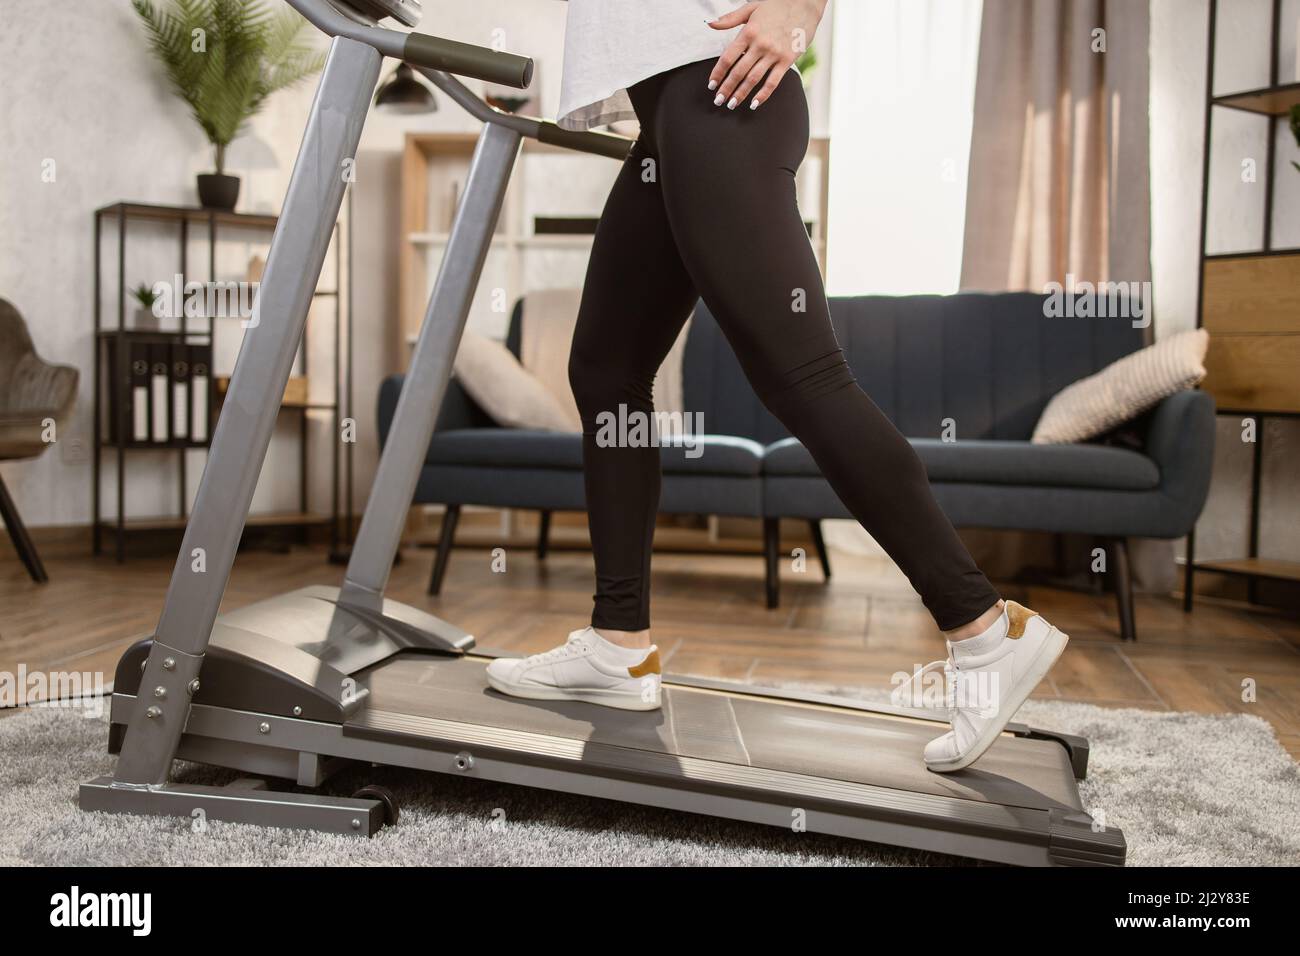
{"type": "Point", "coordinates": [966, 693]}
{"type": "Point", "coordinates": [576, 644]}
{"type": "Point", "coordinates": [912, 694]}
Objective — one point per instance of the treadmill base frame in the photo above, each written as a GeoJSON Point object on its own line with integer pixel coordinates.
{"type": "Point", "coordinates": [243, 801]}
{"type": "Point", "coordinates": [302, 750]}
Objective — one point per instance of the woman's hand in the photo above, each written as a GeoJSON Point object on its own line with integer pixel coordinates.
{"type": "Point", "coordinates": [776, 33]}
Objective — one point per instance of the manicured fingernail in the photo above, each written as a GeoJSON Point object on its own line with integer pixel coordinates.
{"type": "Point", "coordinates": [713, 84]}
{"type": "Point", "coordinates": [717, 100]}
{"type": "Point", "coordinates": [732, 104]}
{"type": "Point", "coordinates": [753, 104]}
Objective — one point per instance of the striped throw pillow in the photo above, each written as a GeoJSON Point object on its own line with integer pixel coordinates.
{"type": "Point", "coordinates": [1123, 390]}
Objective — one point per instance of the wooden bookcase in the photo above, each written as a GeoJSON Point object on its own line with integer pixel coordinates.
{"type": "Point", "coordinates": [1250, 303]}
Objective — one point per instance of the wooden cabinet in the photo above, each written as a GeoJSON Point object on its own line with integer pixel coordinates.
{"type": "Point", "coordinates": [1251, 307]}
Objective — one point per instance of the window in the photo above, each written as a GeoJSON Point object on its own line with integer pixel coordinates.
{"type": "Point", "coordinates": [902, 96]}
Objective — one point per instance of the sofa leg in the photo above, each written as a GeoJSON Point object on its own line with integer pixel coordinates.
{"type": "Point", "coordinates": [1124, 590]}
{"type": "Point", "coordinates": [445, 539]}
{"type": "Point", "coordinates": [543, 534]}
{"type": "Point", "coordinates": [1189, 572]}
{"type": "Point", "coordinates": [23, 543]}
{"type": "Point", "coordinates": [819, 542]}
{"type": "Point", "coordinates": [772, 559]}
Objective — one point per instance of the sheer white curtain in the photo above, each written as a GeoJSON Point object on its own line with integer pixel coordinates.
{"type": "Point", "coordinates": [902, 95]}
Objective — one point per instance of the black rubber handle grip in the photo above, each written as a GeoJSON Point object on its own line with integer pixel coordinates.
{"type": "Point", "coordinates": [585, 141]}
{"type": "Point", "coordinates": [465, 59]}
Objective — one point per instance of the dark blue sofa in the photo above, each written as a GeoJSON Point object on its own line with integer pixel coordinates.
{"type": "Point", "coordinates": [989, 362]}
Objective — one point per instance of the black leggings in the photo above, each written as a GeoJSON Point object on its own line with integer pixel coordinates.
{"type": "Point", "coordinates": [704, 207]}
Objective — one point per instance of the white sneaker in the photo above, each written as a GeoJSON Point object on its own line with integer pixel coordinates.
{"type": "Point", "coordinates": [983, 691]}
{"type": "Point", "coordinates": [586, 667]}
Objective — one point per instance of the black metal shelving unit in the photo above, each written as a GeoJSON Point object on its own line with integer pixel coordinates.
{"type": "Point", "coordinates": [112, 342]}
{"type": "Point", "coordinates": [1272, 104]}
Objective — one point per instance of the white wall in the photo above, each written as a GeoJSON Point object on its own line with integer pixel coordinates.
{"type": "Point", "coordinates": [83, 90]}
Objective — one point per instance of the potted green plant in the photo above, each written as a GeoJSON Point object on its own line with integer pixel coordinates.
{"type": "Point", "coordinates": [224, 58]}
{"type": "Point", "coordinates": [144, 313]}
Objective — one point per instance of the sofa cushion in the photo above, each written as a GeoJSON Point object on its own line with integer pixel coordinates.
{"type": "Point", "coordinates": [714, 455]}
{"type": "Point", "coordinates": [506, 448]}
{"type": "Point", "coordinates": [1102, 511]}
{"type": "Point", "coordinates": [527, 448]}
{"type": "Point", "coordinates": [1001, 463]}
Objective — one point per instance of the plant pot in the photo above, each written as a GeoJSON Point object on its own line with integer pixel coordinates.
{"type": "Point", "coordinates": [218, 191]}
{"type": "Point", "coordinates": [145, 320]}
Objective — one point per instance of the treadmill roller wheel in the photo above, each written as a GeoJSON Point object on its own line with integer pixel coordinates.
{"type": "Point", "coordinates": [385, 796]}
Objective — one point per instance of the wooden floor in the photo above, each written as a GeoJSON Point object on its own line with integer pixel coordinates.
{"type": "Point", "coordinates": [859, 629]}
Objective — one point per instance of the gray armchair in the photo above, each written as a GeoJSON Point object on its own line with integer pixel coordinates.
{"type": "Point", "coordinates": [31, 391]}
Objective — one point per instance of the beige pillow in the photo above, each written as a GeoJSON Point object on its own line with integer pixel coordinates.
{"type": "Point", "coordinates": [506, 390]}
{"type": "Point", "coordinates": [1124, 389]}
{"type": "Point", "coordinates": [549, 317]}
{"type": "Point", "coordinates": [546, 332]}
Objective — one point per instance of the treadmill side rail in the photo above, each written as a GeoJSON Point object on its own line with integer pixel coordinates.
{"type": "Point", "coordinates": [237, 803]}
{"type": "Point", "coordinates": [1077, 747]}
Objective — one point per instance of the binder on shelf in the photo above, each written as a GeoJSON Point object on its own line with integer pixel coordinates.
{"type": "Point", "coordinates": [200, 393]}
{"type": "Point", "coordinates": [128, 391]}
{"type": "Point", "coordinates": [138, 396]}
{"type": "Point", "coordinates": [159, 393]}
{"type": "Point", "coordinates": [180, 390]}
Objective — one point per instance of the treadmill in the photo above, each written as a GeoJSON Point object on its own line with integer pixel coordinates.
{"type": "Point", "coordinates": [296, 687]}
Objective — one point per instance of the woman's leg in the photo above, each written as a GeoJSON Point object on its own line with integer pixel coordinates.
{"type": "Point", "coordinates": [636, 297]}
{"type": "Point", "coordinates": [635, 300]}
{"type": "Point", "coordinates": [729, 189]}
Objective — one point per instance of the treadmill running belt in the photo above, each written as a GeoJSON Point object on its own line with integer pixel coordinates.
{"type": "Point", "coordinates": [818, 741]}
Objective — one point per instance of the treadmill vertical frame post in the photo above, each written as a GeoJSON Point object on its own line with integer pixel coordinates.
{"type": "Point", "coordinates": [262, 369]}
{"type": "Point", "coordinates": [430, 370]}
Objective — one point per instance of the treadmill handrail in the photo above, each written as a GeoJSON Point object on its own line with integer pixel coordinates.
{"type": "Point", "coordinates": [421, 49]}
{"type": "Point", "coordinates": [439, 59]}
{"type": "Point", "coordinates": [545, 131]}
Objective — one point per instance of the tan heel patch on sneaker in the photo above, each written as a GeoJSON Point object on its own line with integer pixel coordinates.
{"type": "Point", "coordinates": [1017, 617]}
{"type": "Point", "coordinates": [648, 666]}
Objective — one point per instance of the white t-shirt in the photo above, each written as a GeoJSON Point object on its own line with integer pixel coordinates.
{"type": "Point", "coordinates": [611, 44]}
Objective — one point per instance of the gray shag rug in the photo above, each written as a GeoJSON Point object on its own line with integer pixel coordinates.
{"type": "Point", "coordinates": [1186, 789]}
